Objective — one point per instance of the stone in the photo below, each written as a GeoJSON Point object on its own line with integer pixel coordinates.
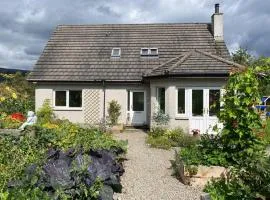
{"type": "Point", "coordinates": [205, 196]}
{"type": "Point", "coordinates": [106, 193]}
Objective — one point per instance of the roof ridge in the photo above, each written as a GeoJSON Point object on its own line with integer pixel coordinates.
{"type": "Point", "coordinates": [164, 23]}
{"type": "Point", "coordinates": [180, 61]}
{"type": "Point", "coordinates": [163, 64]}
{"type": "Point", "coordinates": [221, 59]}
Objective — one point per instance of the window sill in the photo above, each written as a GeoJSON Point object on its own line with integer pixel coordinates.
{"type": "Point", "coordinates": [67, 109]}
{"type": "Point", "coordinates": [181, 117]}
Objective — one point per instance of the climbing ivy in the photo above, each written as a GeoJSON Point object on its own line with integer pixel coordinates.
{"type": "Point", "coordinates": [239, 116]}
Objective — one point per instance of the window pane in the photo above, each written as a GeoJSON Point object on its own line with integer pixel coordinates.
{"type": "Point", "coordinates": [75, 98]}
{"type": "Point", "coordinates": [60, 98]}
{"type": "Point", "coordinates": [181, 101]}
{"type": "Point", "coordinates": [214, 102]}
{"type": "Point", "coordinates": [153, 51]}
{"type": "Point", "coordinates": [138, 101]}
{"type": "Point", "coordinates": [197, 102]}
{"type": "Point", "coordinates": [144, 51]}
{"type": "Point", "coordinates": [161, 99]}
{"type": "Point", "coordinates": [116, 52]}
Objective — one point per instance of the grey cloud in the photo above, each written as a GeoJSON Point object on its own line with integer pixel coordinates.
{"type": "Point", "coordinates": [26, 25]}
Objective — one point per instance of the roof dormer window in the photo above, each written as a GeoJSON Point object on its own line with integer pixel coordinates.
{"type": "Point", "coordinates": [116, 52]}
{"type": "Point", "coordinates": [144, 51]}
{"type": "Point", "coordinates": [153, 51]}
{"type": "Point", "coordinates": [149, 52]}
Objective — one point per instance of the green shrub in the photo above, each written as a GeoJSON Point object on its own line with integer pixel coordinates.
{"type": "Point", "coordinates": [180, 139]}
{"type": "Point", "coordinates": [19, 152]}
{"type": "Point", "coordinates": [161, 118]}
{"type": "Point", "coordinates": [114, 112]}
{"type": "Point", "coordinates": [157, 131]}
{"type": "Point", "coordinates": [208, 151]}
{"type": "Point", "coordinates": [45, 113]}
{"type": "Point", "coordinates": [246, 181]}
{"type": "Point", "coordinates": [161, 142]}
{"type": "Point", "coordinates": [176, 137]}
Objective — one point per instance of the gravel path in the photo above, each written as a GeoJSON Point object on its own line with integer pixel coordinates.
{"type": "Point", "coordinates": [147, 175]}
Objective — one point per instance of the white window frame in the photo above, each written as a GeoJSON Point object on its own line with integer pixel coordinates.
{"type": "Point", "coordinates": [149, 52]}
{"type": "Point", "coordinates": [67, 101]}
{"type": "Point", "coordinates": [144, 49]}
{"type": "Point", "coordinates": [187, 99]}
{"type": "Point", "coordinates": [119, 55]}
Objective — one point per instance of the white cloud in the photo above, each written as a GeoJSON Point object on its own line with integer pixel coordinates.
{"type": "Point", "coordinates": [25, 25]}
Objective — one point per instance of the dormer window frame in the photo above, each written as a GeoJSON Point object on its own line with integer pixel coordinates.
{"type": "Point", "coordinates": [142, 49]}
{"type": "Point", "coordinates": [116, 56]}
{"type": "Point", "coordinates": [149, 50]}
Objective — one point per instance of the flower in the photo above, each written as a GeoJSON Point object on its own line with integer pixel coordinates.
{"type": "Point", "coordinates": [14, 95]}
{"type": "Point", "coordinates": [2, 99]}
{"type": "Point", "coordinates": [17, 116]}
{"type": "Point", "coordinates": [195, 131]}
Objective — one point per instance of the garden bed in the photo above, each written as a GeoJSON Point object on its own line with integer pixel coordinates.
{"type": "Point", "coordinates": [59, 159]}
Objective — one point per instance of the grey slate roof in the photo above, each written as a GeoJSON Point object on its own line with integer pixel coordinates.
{"type": "Point", "coordinates": [83, 52]}
{"type": "Point", "coordinates": [194, 62]}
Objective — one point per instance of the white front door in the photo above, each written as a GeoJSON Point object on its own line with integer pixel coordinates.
{"type": "Point", "coordinates": [137, 107]}
{"type": "Point", "coordinates": [205, 103]}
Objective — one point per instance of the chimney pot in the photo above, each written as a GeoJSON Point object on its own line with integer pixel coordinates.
{"type": "Point", "coordinates": [217, 8]}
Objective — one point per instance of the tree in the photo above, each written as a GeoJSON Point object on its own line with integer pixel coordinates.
{"type": "Point", "coordinates": [242, 57]}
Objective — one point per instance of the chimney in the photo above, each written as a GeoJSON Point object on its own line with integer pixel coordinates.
{"type": "Point", "coordinates": [217, 24]}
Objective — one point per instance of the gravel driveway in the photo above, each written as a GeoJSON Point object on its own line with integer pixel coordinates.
{"type": "Point", "coordinates": [147, 175]}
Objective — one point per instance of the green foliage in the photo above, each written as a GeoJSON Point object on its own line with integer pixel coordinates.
{"type": "Point", "coordinates": [160, 137]}
{"type": "Point", "coordinates": [245, 182]}
{"type": "Point", "coordinates": [179, 138]}
{"type": "Point", "coordinates": [208, 151]}
{"type": "Point", "coordinates": [238, 116]}
{"type": "Point", "coordinates": [114, 112]}
{"type": "Point", "coordinates": [16, 154]}
{"type": "Point", "coordinates": [19, 152]}
{"type": "Point", "coordinates": [6, 122]}
{"type": "Point", "coordinates": [45, 113]}
{"type": "Point", "coordinates": [161, 142]}
{"type": "Point", "coordinates": [16, 94]}
{"type": "Point", "coordinates": [242, 57]}
{"type": "Point", "coordinates": [161, 118]}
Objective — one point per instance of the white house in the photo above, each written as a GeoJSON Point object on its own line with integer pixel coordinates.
{"type": "Point", "coordinates": [179, 67]}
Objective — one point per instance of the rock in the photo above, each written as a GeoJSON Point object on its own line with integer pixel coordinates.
{"type": "Point", "coordinates": [114, 182]}
{"type": "Point", "coordinates": [106, 193]}
{"type": "Point", "coordinates": [205, 196]}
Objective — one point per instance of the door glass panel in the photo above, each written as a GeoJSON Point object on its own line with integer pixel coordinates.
{"type": "Point", "coordinates": [181, 101]}
{"type": "Point", "coordinates": [197, 102]}
{"type": "Point", "coordinates": [138, 101]}
{"type": "Point", "coordinates": [128, 100]}
{"type": "Point", "coordinates": [214, 102]}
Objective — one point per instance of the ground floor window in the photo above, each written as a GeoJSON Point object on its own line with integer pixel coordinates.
{"type": "Point", "coordinates": [68, 98]}
{"type": "Point", "coordinates": [161, 99]}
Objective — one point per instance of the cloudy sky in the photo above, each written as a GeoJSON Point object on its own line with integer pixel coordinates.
{"type": "Point", "coordinates": [26, 25]}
